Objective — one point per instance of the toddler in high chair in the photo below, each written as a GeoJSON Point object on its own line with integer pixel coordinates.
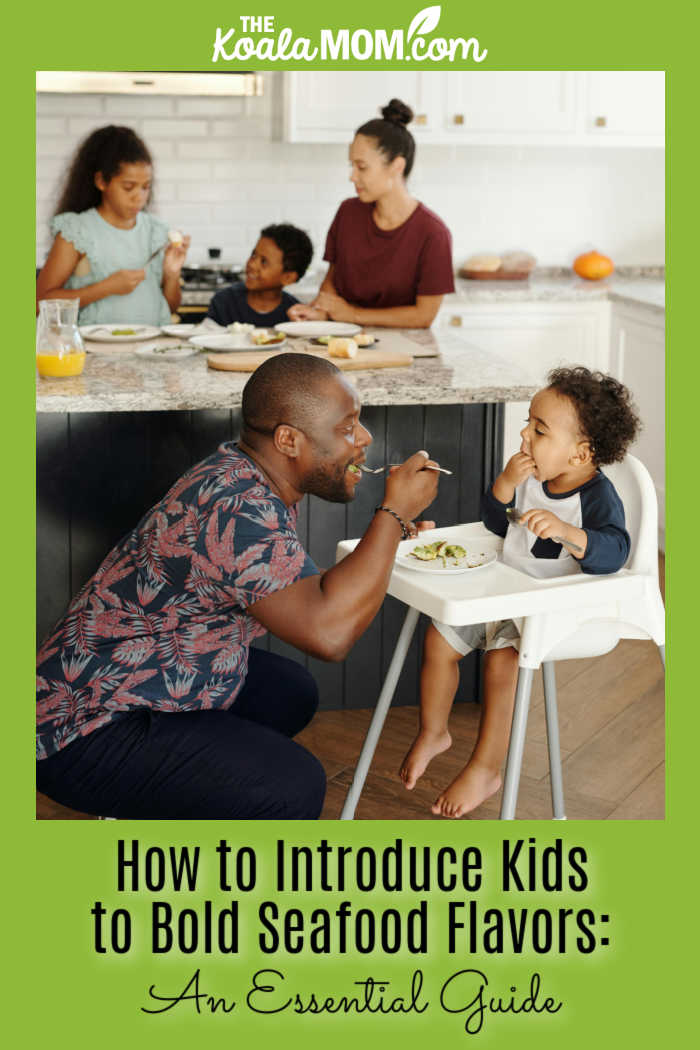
{"type": "Point", "coordinates": [579, 422]}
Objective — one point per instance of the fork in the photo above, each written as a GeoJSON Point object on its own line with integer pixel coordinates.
{"type": "Point", "coordinates": [153, 255]}
{"type": "Point", "coordinates": [380, 470]}
{"type": "Point", "coordinates": [515, 515]}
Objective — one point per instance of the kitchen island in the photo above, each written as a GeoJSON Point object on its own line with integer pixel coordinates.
{"type": "Point", "coordinates": [111, 442]}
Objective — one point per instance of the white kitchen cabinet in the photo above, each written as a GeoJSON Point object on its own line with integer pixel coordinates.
{"type": "Point", "coordinates": [328, 107]}
{"type": "Point", "coordinates": [624, 106]}
{"type": "Point", "coordinates": [485, 107]}
{"type": "Point", "coordinates": [637, 358]}
{"type": "Point", "coordinates": [503, 106]}
{"type": "Point", "coordinates": [532, 338]}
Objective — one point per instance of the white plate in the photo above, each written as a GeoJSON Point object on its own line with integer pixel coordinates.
{"type": "Point", "coordinates": [157, 352]}
{"type": "Point", "coordinates": [477, 558]}
{"type": "Point", "coordinates": [231, 343]}
{"type": "Point", "coordinates": [313, 329]}
{"type": "Point", "coordinates": [102, 333]}
{"type": "Point", "coordinates": [180, 331]}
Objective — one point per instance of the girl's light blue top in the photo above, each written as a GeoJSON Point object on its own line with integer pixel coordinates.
{"type": "Point", "coordinates": [106, 248]}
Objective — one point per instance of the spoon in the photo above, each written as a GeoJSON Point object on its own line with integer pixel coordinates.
{"type": "Point", "coordinates": [514, 516]}
{"type": "Point", "coordinates": [380, 470]}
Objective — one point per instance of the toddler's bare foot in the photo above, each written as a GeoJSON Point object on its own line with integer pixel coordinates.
{"type": "Point", "coordinates": [467, 791]}
{"type": "Point", "coordinates": [425, 747]}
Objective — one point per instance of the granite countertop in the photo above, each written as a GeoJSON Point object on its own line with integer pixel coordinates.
{"type": "Point", "coordinates": [639, 286]}
{"type": "Point", "coordinates": [116, 380]}
{"type": "Point", "coordinates": [540, 287]}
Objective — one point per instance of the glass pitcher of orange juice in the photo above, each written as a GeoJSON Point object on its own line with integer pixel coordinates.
{"type": "Point", "coordinates": [59, 348]}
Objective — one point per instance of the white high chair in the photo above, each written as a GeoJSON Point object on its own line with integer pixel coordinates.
{"type": "Point", "coordinates": [589, 631]}
{"type": "Point", "coordinates": [563, 618]}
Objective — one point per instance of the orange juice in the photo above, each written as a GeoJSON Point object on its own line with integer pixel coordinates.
{"type": "Point", "coordinates": [70, 364]}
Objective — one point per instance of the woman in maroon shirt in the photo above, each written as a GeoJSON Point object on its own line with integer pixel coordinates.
{"type": "Point", "coordinates": [390, 256]}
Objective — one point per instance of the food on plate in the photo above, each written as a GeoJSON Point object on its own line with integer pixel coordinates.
{"type": "Point", "coordinates": [341, 347]}
{"type": "Point", "coordinates": [239, 328]}
{"type": "Point", "coordinates": [593, 266]}
{"type": "Point", "coordinates": [123, 331]}
{"type": "Point", "coordinates": [363, 339]}
{"type": "Point", "coordinates": [169, 349]}
{"type": "Point", "coordinates": [175, 237]}
{"type": "Point", "coordinates": [483, 262]}
{"type": "Point", "coordinates": [440, 550]}
{"type": "Point", "coordinates": [518, 262]}
{"type": "Point", "coordinates": [263, 337]}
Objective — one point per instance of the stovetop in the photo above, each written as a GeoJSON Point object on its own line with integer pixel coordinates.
{"type": "Point", "coordinates": [210, 276]}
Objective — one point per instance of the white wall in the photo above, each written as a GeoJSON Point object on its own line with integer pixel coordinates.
{"type": "Point", "coordinates": [220, 177]}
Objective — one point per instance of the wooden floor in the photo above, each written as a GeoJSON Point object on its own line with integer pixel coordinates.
{"type": "Point", "coordinates": [611, 713]}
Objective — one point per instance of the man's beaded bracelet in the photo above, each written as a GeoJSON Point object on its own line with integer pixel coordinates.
{"type": "Point", "coordinates": [405, 534]}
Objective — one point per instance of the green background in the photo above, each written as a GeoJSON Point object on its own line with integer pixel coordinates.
{"type": "Point", "coordinates": [641, 873]}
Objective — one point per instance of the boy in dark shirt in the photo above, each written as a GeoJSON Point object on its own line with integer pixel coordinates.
{"type": "Point", "coordinates": [281, 256]}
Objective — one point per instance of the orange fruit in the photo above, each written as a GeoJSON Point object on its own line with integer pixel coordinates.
{"type": "Point", "coordinates": [593, 266]}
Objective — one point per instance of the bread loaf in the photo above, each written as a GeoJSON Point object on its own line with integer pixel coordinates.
{"type": "Point", "coordinates": [339, 347]}
{"type": "Point", "coordinates": [520, 262]}
{"type": "Point", "coordinates": [487, 263]}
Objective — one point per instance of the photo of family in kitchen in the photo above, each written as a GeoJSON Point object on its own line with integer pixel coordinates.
{"type": "Point", "coordinates": [350, 445]}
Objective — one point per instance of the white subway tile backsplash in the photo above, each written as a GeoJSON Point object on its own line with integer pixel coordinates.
{"type": "Point", "coordinates": [165, 191]}
{"type": "Point", "coordinates": [238, 211]}
{"type": "Point", "coordinates": [169, 129]}
{"type": "Point", "coordinates": [121, 108]}
{"type": "Point", "coordinates": [68, 105]}
{"type": "Point", "coordinates": [161, 150]}
{"type": "Point", "coordinates": [208, 149]}
{"type": "Point", "coordinates": [50, 126]}
{"type": "Point", "coordinates": [220, 176]}
{"type": "Point", "coordinates": [185, 216]}
{"type": "Point", "coordinates": [209, 107]}
{"type": "Point", "coordinates": [246, 127]}
{"type": "Point", "coordinates": [46, 146]}
{"type": "Point", "coordinates": [185, 170]}
{"type": "Point", "coordinates": [50, 168]}
{"type": "Point", "coordinates": [80, 127]}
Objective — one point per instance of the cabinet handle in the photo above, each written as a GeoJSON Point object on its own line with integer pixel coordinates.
{"type": "Point", "coordinates": [459, 118]}
{"type": "Point", "coordinates": [422, 118]}
{"type": "Point", "coordinates": [456, 320]}
{"type": "Point", "coordinates": [601, 122]}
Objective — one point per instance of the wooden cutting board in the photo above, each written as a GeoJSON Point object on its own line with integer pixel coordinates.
{"type": "Point", "coordinates": [248, 361]}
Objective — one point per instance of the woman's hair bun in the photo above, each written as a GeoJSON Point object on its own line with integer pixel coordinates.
{"type": "Point", "coordinates": [397, 112]}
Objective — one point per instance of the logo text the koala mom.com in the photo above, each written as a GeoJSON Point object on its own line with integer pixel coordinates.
{"type": "Point", "coordinates": [258, 39]}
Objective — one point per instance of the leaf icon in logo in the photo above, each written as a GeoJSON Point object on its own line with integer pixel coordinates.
{"type": "Point", "coordinates": [425, 21]}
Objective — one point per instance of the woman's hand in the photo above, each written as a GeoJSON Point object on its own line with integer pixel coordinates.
{"type": "Point", "coordinates": [174, 257]}
{"type": "Point", "coordinates": [337, 308]}
{"type": "Point", "coordinates": [306, 312]}
{"type": "Point", "coordinates": [122, 282]}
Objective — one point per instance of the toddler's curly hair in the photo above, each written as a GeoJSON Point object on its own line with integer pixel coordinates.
{"type": "Point", "coordinates": [606, 412]}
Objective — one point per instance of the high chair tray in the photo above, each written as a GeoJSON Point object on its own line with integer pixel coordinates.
{"type": "Point", "coordinates": [497, 592]}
